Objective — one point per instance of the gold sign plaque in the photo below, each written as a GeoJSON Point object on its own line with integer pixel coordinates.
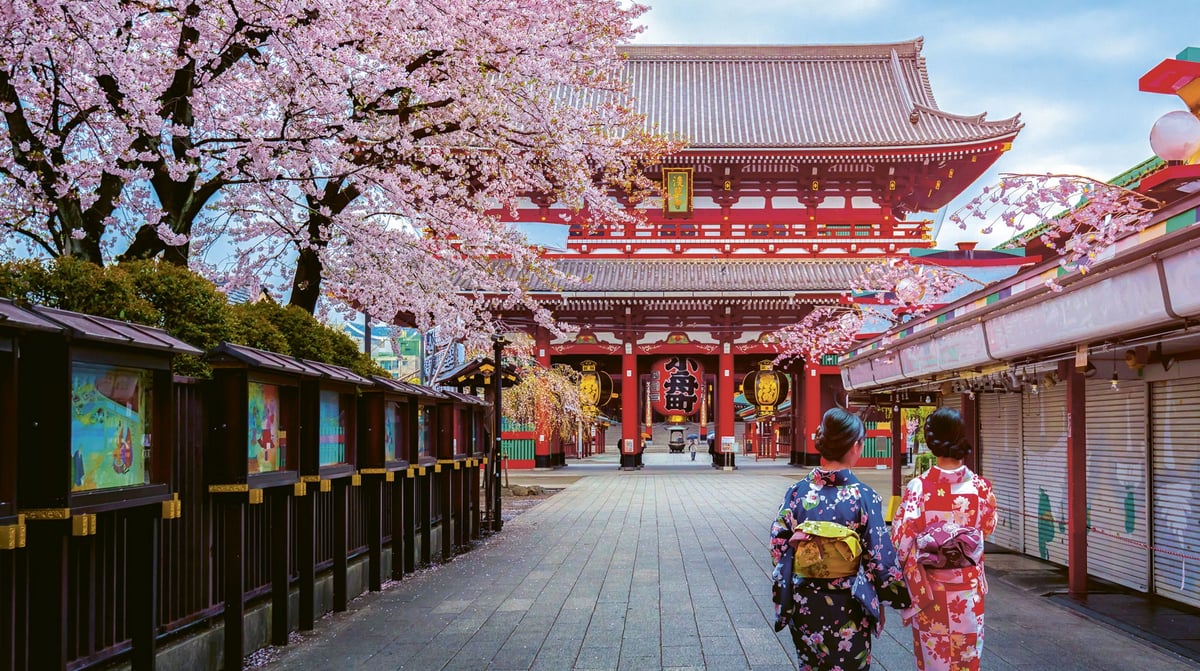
{"type": "Point", "coordinates": [677, 192]}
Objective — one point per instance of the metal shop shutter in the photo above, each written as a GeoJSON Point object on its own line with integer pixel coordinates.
{"type": "Point", "coordinates": [1116, 484]}
{"type": "Point", "coordinates": [1044, 472]}
{"type": "Point", "coordinates": [1175, 446]}
{"type": "Point", "coordinates": [1000, 463]}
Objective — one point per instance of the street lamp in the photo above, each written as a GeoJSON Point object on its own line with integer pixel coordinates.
{"type": "Point", "coordinates": [498, 343]}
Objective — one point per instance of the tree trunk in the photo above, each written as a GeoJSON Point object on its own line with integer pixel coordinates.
{"type": "Point", "coordinates": [306, 283]}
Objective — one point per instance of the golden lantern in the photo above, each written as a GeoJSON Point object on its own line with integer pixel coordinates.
{"type": "Point", "coordinates": [595, 386]}
{"type": "Point", "coordinates": [765, 388]}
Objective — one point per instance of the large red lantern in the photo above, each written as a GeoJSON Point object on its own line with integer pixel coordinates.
{"type": "Point", "coordinates": [765, 388]}
{"type": "Point", "coordinates": [675, 387]}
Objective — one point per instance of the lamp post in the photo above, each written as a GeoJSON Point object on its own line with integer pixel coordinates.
{"type": "Point", "coordinates": [498, 343]}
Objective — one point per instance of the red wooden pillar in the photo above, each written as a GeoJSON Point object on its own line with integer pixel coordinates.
{"type": "Point", "coordinates": [968, 405]}
{"type": "Point", "coordinates": [725, 392]}
{"type": "Point", "coordinates": [630, 395]}
{"type": "Point", "coordinates": [812, 411]}
{"type": "Point", "coordinates": [1076, 480]}
{"type": "Point", "coordinates": [543, 456]}
{"type": "Point", "coordinates": [897, 453]}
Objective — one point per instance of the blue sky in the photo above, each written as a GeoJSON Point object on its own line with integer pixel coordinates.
{"type": "Point", "coordinates": [1069, 68]}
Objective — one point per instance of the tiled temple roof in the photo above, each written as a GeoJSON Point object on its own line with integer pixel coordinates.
{"type": "Point", "coordinates": [798, 97]}
{"type": "Point", "coordinates": [632, 276]}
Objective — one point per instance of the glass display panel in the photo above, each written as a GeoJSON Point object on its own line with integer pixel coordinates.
{"type": "Point", "coordinates": [391, 431]}
{"type": "Point", "coordinates": [110, 426]}
{"type": "Point", "coordinates": [333, 429]}
{"type": "Point", "coordinates": [424, 431]}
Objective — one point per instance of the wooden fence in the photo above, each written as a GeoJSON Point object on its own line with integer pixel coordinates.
{"type": "Point", "coordinates": [104, 579]}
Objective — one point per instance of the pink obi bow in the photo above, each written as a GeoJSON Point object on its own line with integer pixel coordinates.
{"type": "Point", "coordinates": [939, 546]}
{"type": "Point", "coordinates": [946, 546]}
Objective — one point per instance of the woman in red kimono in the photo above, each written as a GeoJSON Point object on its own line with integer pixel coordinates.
{"type": "Point", "coordinates": [938, 532]}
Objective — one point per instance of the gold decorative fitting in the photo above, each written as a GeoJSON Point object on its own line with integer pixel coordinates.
{"type": "Point", "coordinates": [373, 471]}
{"type": "Point", "coordinates": [437, 468]}
{"type": "Point", "coordinates": [816, 185]}
{"type": "Point", "coordinates": [310, 478]}
{"type": "Point", "coordinates": [300, 489]}
{"type": "Point", "coordinates": [457, 465]}
{"type": "Point", "coordinates": [173, 508]}
{"type": "Point", "coordinates": [891, 185]}
{"type": "Point", "coordinates": [256, 497]}
{"type": "Point", "coordinates": [411, 472]}
{"type": "Point", "coordinates": [421, 471]}
{"type": "Point", "coordinates": [356, 480]}
{"type": "Point", "coordinates": [228, 489]}
{"type": "Point", "coordinates": [11, 536]}
{"type": "Point", "coordinates": [83, 525]}
{"type": "Point", "coordinates": [389, 477]}
{"type": "Point", "coordinates": [950, 174]}
{"type": "Point", "coordinates": [326, 485]}
{"type": "Point", "coordinates": [48, 514]}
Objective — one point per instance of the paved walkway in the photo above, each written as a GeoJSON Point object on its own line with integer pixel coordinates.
{"type": "Point", "coordinates": [661, 568]}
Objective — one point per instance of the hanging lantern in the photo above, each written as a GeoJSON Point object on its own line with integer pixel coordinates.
{"type": "Point", "coordinates": [765, 388]}
{"type": "Point", "coordinates": [675, 387]}
{"type": "Point", "coordinates": [595, 387]}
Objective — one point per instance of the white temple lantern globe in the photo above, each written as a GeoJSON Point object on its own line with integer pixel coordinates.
{"type": "Point", "coordinates": [1176, 136]}
{"type": "Point", "coordinates": [911, 290]}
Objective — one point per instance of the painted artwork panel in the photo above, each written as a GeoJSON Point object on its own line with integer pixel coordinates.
{"type": "Point", "coordinates": [110, 426]}
{"type": "Point", "coordinates": [391, 430]}
{"type": "Point", "coordinates": [333, 429]}
{"type": "Point", "coordinates": [424, 431]}
{"type": "Point", "coordinates": [266, 447]}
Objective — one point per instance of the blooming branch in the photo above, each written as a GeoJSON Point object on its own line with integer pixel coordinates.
{"type": "Point", "coordinates": [914, 287]}
{"type": "Point", "coordinates": [825, 330]}
{"type": "Point", "coordinates": [1082, 215]}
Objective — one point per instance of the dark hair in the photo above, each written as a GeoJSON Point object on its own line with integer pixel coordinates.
{"type": "Point", "coordinates": [946, 434]}
{"type": "Point", "coordinates": [839, 431]}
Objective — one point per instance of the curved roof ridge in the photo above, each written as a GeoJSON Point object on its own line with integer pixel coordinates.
{"type": "Point", "coordinates": [980, 119]}
{"type": "Point", "coordinates": [796, 97]}
{"type": "Point", "coordinates": [907, 48]}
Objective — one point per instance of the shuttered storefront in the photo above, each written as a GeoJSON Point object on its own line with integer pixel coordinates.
{"type": "Point", "coordinates": [1175, 450]}
{"type": "Point", "coordinates": [1116, 484]}
{"type": "Point", "coordinates": [1000, 463]}
{"type": "Point", "coordinates": [1044, 472]}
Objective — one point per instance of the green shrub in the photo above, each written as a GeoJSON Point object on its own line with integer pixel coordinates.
{"type": "Point", "coordinates": [182, 303]}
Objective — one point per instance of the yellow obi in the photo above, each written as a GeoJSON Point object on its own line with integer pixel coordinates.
{"type": "Point", "coordinates": [826, 550]}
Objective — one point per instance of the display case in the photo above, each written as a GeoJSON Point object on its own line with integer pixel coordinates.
{"type": "Point", "coordinates": [16, 324]}
{"type": "Point", "coordinates": [254, 398]}
{"type": "Point", "coordinates": [387, 411]}
{"type": "Point", "coordinates": [329, 447]}
{"type": "Point", "coordinates": [94, 420]}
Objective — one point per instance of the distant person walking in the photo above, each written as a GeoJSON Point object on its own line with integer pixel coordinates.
{"type": "Point", "coordinates": [834, 560]}
{"type": "Point", "coordinates": [938, 531]}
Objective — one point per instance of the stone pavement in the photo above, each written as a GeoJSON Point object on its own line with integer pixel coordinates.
{"type": "Point", "coordinates": [661, 568]}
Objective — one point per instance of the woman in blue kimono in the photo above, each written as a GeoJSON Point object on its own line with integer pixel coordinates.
{"type": "Point", "coordinates": [832, 618]}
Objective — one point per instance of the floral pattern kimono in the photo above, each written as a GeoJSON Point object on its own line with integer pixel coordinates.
{"type": "Point", "coordinates": [833, 619]}
{"type": "Point", "coordinates": [947, 610]}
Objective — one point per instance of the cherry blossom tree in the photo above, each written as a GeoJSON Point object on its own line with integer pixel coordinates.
{"type": "Point", "coordinates": [122, 120]}
{"type": "Point", "coordinates": [491, 102]}
{"type": "Point", "coordinates": [353, 148]}
{"type": "Point", "coordinates": [1081, 215]}
{"type": "Point", "coordinates": [549, 396]}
